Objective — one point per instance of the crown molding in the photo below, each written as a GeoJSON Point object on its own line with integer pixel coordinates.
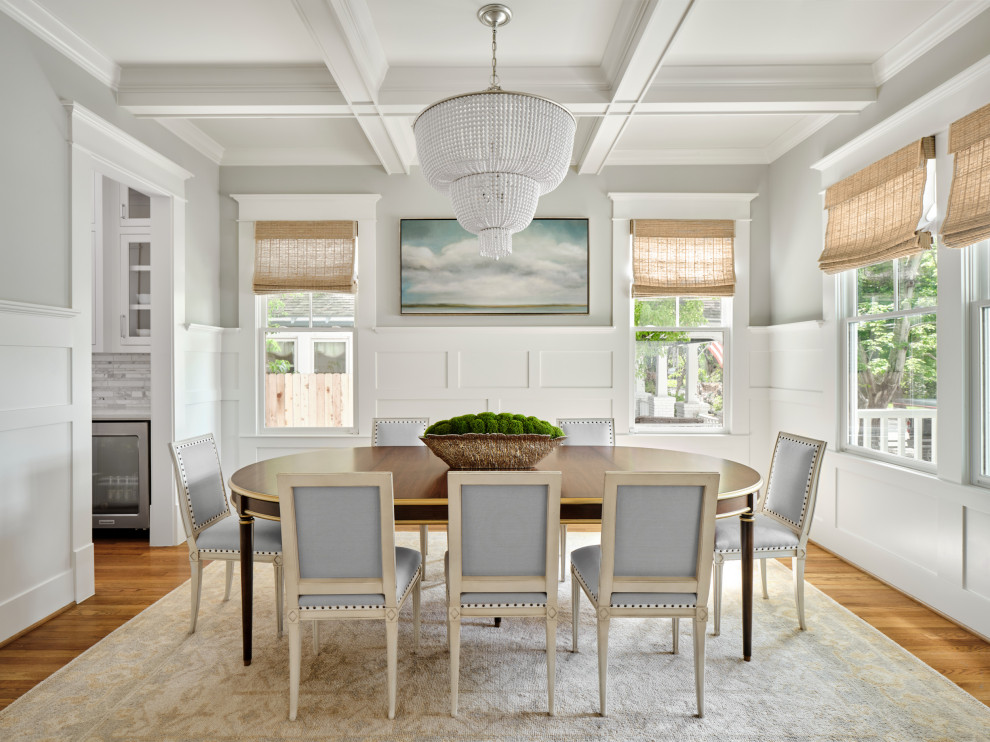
{"type": "Point", "coordinates": [195, 137]}
{"type": "Point", "coordinates": [926, 37]}
{"type": "Point", "coordinates": [36, 310]}
{"type": "Point", "coordinates": [797, 134]}
{"type": "Point", "coordinates": [52, 31]}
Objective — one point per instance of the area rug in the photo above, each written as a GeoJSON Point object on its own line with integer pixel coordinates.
{"type": "Point", "coordinates": [840, 680]}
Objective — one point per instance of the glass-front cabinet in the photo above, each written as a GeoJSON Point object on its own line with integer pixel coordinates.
{"type": "Point", "coordinates": [135, 286]}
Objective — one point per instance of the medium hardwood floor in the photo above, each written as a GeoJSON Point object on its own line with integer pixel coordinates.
{"type": "Point", "coordinates": [130, 576]}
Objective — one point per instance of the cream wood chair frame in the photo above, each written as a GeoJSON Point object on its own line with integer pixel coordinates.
{"type": "Point", "coordinates": [377, 439]}
{"type": "Point", "coordinates": [458, 583]}
{"type": "Point", "coordinates": [227, 547]}
{"type": "Point", "coordinates": [800, 529]}
{"type": "Point", "coordinates": [605, 423]}
{"type": "Point", "coordinates": [385, 585]}
{"type": "Point", "coordinates": [609, 583]}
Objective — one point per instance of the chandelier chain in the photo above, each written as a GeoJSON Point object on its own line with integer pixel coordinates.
{"type": "Point", "coordinates": [494, 79]}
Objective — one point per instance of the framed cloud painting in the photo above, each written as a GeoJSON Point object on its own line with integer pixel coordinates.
{"type": "Point", "coordinates": [442, 272]}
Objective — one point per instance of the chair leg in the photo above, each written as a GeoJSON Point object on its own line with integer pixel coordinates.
{"type": "Point", "coordinates": [316, 637]}
{"type": "Point", "coordinates": [196, 588]}
{"type": "Point", "coordinates": [575, 609]}
{"type": "Point", "coordinates": [699, 664]}
{"type": "Point", "coordinates": [392, 652]}
{"type": "Point", "coordinates": [551, 660]}
{"type": "Point", "coordinates": [454, 643]}
{"type": "Point", "coordinates": [763, 577]}
{"type": "Point", "coordinates": [675, 625]}
{"type": "Point", "coordinates": [279, 599]}
{"type": "Point", "coordinates": [229, 577]}
{"type": "Point", "coordinates": [563, 550]}
{"type": "Point", "coordinates": [717, 598]}
{"type": "Point", "coordinates": [295, 658]}
{"type": "Point", "coordinates": [797, 567]}
{"type": "Point", "coordinates": [602, 663]}
{"type": "Point", "coordinates": [424, 541]}
{"type": "Point", "coordinates": [417, 595]}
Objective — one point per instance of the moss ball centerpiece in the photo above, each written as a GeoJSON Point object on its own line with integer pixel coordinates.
{"type": "Point", "coordinates": [492, 441]}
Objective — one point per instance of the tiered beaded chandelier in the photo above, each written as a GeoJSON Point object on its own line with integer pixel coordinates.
{"type": "Point", "coordinates": [494, 152]}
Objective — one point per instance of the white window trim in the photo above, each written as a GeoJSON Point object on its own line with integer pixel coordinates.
{"type": "Point", "coordinates": [302, 207]}
{"type": "Point", "coordinates": [736, 206]}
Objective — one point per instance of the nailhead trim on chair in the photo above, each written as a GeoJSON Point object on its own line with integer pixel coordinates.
{"type": "Point", "coordinates": [807, 486]}
{"type": "Point", "coordinates": [235, 551]}
{"type": "Point", "coordinates": [185, 482]}
{"type": "Point", "coordinates": [629, 605]}
{"type": "Point", "coordinates": [502, 605]}
{"type": "Point", "coordinates": [402, 597]}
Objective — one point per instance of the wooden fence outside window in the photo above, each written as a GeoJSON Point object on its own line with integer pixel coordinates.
{"type": "Point", "coordinates": [308, 401]}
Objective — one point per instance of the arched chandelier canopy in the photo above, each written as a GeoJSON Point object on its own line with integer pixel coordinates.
{"type": "Point", "coordinates": [495, 152]}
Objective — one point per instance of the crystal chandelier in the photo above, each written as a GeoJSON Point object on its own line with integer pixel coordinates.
{"type": "Point", "coordinates": [494, 152]}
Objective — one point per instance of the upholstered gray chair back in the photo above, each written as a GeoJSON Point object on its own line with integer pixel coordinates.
{"type": "Point", "coordinates": [504, 529]}
{"type": "Point", "coordinates": [200, 482]}
{"type": "Point", "coordinates": [657, 529]}
{"type": "Point", "coordinates": [398, 431]}
{"type": "Point", "coordinates": [793, 480]}
{"type": "Point", "coordinates": [338, 532]}
{"type": "Point", "coordinates": [587, 431]}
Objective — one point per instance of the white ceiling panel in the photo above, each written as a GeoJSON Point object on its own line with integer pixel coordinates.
{"type": "Point", "coordinates": [448, 33]}
{"type": "Point", "coordinates": [190, 31]}
{"type": "Point", "coordinates": [755, 32]}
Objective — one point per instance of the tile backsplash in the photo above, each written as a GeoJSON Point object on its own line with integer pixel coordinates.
{"type": "Point", "coordinates": [121, 381]}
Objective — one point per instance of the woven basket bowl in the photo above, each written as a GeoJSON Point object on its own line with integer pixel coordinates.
{"type": "Point", "coordinates": [491, 450]}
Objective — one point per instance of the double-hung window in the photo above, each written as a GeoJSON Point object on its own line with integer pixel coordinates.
{"type": "Point", "coordinates": [878, 238]}
{"type": "Point", "coordinates": [305, 281]}
{"type": "Point", "coordinates": [683, 280]}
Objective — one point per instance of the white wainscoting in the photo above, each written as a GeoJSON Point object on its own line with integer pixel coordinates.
{"type": "Point", "coordinates": [45, 416]}
{"type": "Point", "coordinates": [922, 534]}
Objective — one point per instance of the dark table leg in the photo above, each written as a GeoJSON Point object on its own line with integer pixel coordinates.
{"type": "Point", "coordinates": [247, 582]}
{"type": "Point", "coordinates": [746, 545]}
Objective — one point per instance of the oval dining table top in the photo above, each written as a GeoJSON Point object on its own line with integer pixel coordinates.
{"type": "Point", "coordinates": [420, 478]}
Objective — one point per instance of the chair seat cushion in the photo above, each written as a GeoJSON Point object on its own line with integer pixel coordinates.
{"type": "Point", "coordinates": [224, 536]}
{"type": "Point", "coordinates": [501, 600]}
{"type": "Point", "coordinates": [768, 534]}
{"type": "Point", "coordinates": [407, 563]}
{"type": "Point", "coordinates": [587, 563]}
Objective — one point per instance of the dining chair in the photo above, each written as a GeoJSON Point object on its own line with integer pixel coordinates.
{"type": "Point", "coordinates": [341, 561]}
{"type": "Point", "coordinates": [582, 431]}
{"type": "Point", "coordinates": [655, 559]}
{"type": "Point", "coordinates": [782, 520]}
{"type": "Point", "coordinates": [502, 559]}
{"type": "Point", "coordinates": [211, 532]}
{"type": "Point", "coordinates": [402, 431]}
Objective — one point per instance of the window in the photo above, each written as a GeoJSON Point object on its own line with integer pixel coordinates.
{"type": "Point", "coordinates": [892, 399]}
{"type": "Point", "coordinates": [308, 342]}
{"type": "Point", "coordinates": [680, 362]}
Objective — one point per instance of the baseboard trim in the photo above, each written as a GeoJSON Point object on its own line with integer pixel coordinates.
{"type": "Point", "coordinates": [35, 625]}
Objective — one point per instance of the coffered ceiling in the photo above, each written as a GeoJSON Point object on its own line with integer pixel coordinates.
{"type": "Point", "coordinates": [339, 82]}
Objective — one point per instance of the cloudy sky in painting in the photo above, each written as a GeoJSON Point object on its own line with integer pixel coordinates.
{"type": "Point", "coordinates": [548, 265]}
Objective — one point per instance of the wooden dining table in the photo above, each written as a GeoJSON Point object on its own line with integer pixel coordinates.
{"type": "Point", "coordinates": [419, 484]}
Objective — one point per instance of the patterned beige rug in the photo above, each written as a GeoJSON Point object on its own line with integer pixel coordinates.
{"type": "Point", "coordinates": [840, 680]}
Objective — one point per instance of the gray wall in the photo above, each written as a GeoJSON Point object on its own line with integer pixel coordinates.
{"type": "Point", "coordinates": [796, 219]}
{"type": "Point", "coordinates": [34, 177]}
{"type": "Point", "coordinates": [409, 196]}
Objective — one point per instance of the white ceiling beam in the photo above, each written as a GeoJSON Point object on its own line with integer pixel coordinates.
{"type": "Point", "coordinates": [345, 35]}
{"type": "Point", "coordinates": [195, 137]}
{"type": "Point", "coordinates": [636, 58]}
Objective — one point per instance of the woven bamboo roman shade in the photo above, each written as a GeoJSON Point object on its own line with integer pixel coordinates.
{"type": "Point", "coordinates": [675, 257]}
{"type": "Point", "coordinates": [967, 220]}
{"type": "Point", "coordinates": [304, 256]}
{"type": "Point", "coordinates": [873, 215]}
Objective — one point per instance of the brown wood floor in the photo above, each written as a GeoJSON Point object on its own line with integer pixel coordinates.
{"type": "Point", "coordinates": [130, 576]}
